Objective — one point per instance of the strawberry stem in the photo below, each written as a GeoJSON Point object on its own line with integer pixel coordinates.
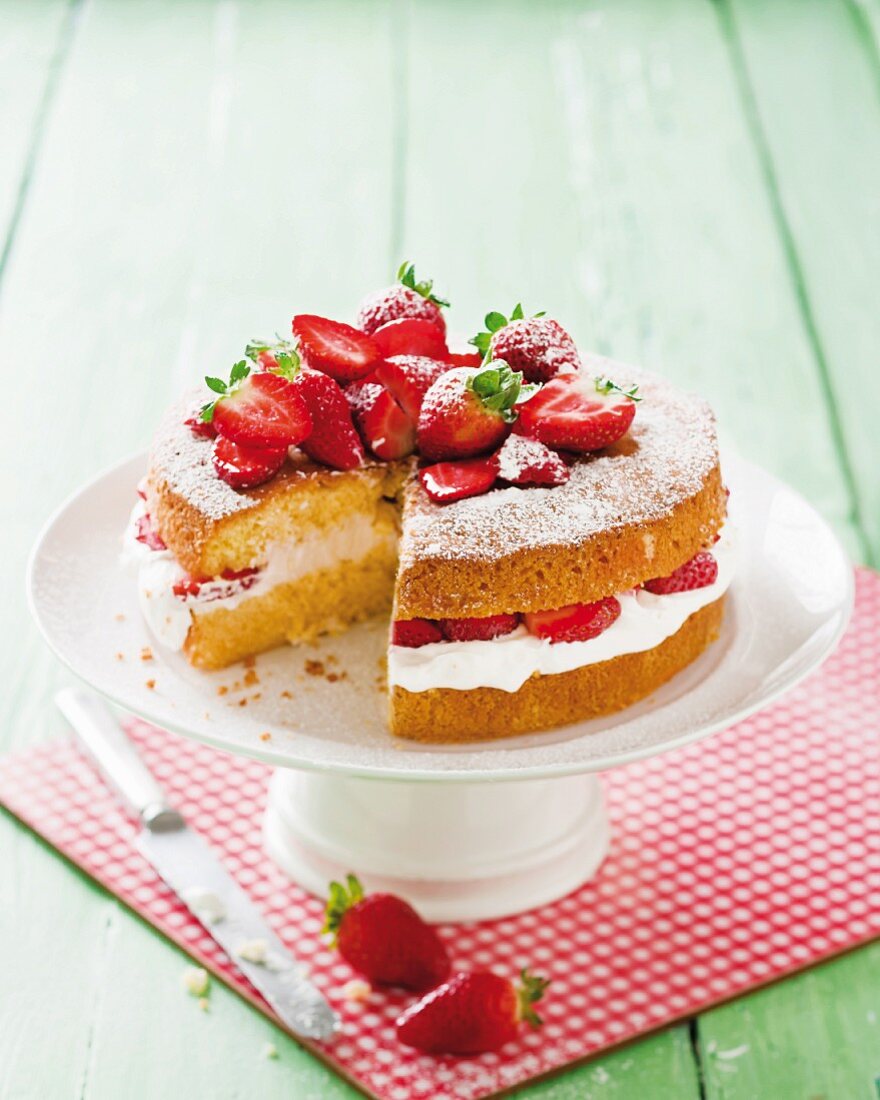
{"type": "Point", "coordinates": [340, 900]}
{"type": "Point", "coordinates": [606, 385]}
{"type": "Point", "coordinates": [498, 387]}
{"type": "Point", "coordinates": [239, 372]}
{"type": "Point", "coordinates": [530, 991]}
{"type": "Point", "coordinates": [406, 275]}
{"type": "Point", "coordinates": [494, 322]}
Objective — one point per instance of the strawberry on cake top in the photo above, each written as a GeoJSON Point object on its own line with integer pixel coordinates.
{"type": "Point", "coordinates": [547, 525]}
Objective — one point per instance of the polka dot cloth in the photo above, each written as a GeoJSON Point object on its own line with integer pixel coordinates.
{"type": "Point", "coordinates": [733, 862]}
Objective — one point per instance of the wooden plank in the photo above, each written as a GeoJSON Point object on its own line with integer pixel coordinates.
{"type": "Point", "coordinates": [33, 42]}
{"type": "Point", "coordinates": [596, 163]}
{"type": "Point", "coordinates": [231, 164]}
{"type": "Point", "coordinates": [810, 89]}
{"type": "Point", "coordinates": [812, 1036]}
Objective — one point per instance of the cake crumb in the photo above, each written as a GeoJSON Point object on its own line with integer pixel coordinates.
{"type": "Point", "coordinates": [120, 656]}
{"type": "Point", "coordinates": [269, 1050]}
{"type": "Point", "coordinates": [251, 678]}
{"type": "Point", "coordinates": [357, 990]}
{"type": "Point", "coordinates": [253, 951]}
{"type": "Point", "coordinates": [119, 617]}
{"type": "Point", "coordinates": [314, 668]}
{"type": "Point", "coordinates": [204, 1004]}
{"type": "Point", "coordinates": [265, 736]}
{"type": "Point", "coordinates": [286, 695]}
{"type": "Point", "coordinates": [196, 981]}
{"type": "Point", "coordinates": [256, 697]}
{"type": "Point", "coordinates": [242, 702]}
{"type": "Point", "coordinates": [151, 684]}
{"type": "Point", "coordinates": [249, 662]}
{"type": "Point", "coordinates": [222, 690]}
{"type": "Point", "coordinates": [146, 653]}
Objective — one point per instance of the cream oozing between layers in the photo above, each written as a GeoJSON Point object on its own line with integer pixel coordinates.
{"type": "Point", "coordinates": [169, 614]}
{"type": "Point", "coordinates": [507, 662]}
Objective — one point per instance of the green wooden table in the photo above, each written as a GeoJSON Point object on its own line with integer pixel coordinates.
{"type": "Point", "coordinates": [690, 185]}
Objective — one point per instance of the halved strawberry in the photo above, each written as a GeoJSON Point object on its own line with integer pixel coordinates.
{"type": "Point", "coordinates": [382, 423]}
{"type": "Point", "coordinates": [201, 427]}
{"type": "Point", "coordinates": [479, 630]}
{"type": "Point", "coordinates": [699, 572]}
{"type": "Point", "coordinates": [145, 532]}
{"type": "Point", "coordinates": [448, 481]}
{"type": "Point", "coordinates": [468, 410]}
{"type": "Point", "coordinates": [464, 359]}
{"type": "Point", "coordinates": [411, 336]}
{"type": "Point", "coordinates": [258, 410]}
{"type": "Point", "coordinates": [577, 622]}
{"type": "Point", "coordinates": [578, 413]}
{"type": "Point", "coordinates": [524, 461]}
{"type": "Point", "coordinates": [334, 440]}
{"type": "Point", "coordinates": [245, 467]}
{"type": "Point", "coordinates": [227, 584]}
{"type": "Point", "coordinates": [408, 378]}
{"type": "Point", "coordinates": [414, 633]}
{"type": "Point", "coordinates": [407, 298]}
{"type": "Point", "coordinates": [337, 349]}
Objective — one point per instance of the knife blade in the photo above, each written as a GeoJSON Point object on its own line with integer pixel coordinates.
{"type": "Point", "coordinates": [196, 875]}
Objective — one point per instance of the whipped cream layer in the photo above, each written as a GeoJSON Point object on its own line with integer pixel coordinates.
{"type": "Point", "coordinates": [169, 615]}
{"type": "Point", "coordinates": [507, 662]}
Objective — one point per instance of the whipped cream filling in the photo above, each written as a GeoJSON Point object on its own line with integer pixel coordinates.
{"type": "Point", "coordinates": [507, 662]}
{"type": "Point", "coordinates": [169, 615]}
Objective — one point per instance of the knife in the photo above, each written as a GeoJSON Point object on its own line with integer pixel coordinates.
{"type": "Point", "coordinates": [196, 875]}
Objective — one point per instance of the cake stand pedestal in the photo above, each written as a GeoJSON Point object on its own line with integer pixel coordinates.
{"type": "Point", "coordinates": [456, 850]}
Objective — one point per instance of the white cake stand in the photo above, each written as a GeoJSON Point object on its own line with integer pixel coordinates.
{"type": "Point", "coordinates": [467, 832]}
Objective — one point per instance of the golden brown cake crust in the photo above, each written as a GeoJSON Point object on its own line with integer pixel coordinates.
{"type": "Point", "coordinates": [444, 716]}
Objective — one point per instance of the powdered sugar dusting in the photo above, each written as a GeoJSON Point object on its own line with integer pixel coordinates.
{"type": "Point", "coordinates": [665, 458]}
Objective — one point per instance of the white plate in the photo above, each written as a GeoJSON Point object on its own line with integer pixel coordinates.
{"type": "Point", "coordinates": [786, 610]}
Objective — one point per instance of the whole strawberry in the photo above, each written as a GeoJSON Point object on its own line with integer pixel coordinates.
{"type": "Point", "coordinates": [384, 938]}
{"type": "Point", "coordinates": [538, 346]}
{"type": "Point", "coordinates": [471, 1013]}
{"type": "Point", "coordinates": [468, 410]}
{"type": "Point", "coordinates": [407, 298]}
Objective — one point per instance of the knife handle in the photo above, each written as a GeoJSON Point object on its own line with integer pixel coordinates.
{"type": "Point", "coordinates": [117, 759]}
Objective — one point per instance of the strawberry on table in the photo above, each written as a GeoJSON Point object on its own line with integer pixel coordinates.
{"type": "Point", "coordinates": [383, 425]}
{"type": "Point", "coordinates": [577, 622]}
{"type": "Point", "coordinates": [471, 1013]}
{"type": "Point", "coordinates": [468, 410]}
{"type": "Point", "coordinates": [537, 346]}
{"type": "Point", "coordinates": [245, 467]}
{"type": "Point", "coordinates": [524, 461]}
{"type": "Point", "coordinates": [408, 378]}
{"type": "Point", "coordinates": [257, 410]}
{"type": "Point", "coordinates": [411, 336]}
{"type": "Point", "coordinates": [468, 477]}
{"type": "Point", "coordinates": [414, 633]}
{"type": "Point", "coordinates": [383, 937]}
{"type": "Point", "coordinates": [578, 413]}
{"type": "Point", "coordinates": [481, 629]}
{"type": "Point", "coordinates": [407, 298]}
{"type": "Point", "coordinates": [337, 349]}
{"type": "Point", "coordinates": [699, 572]}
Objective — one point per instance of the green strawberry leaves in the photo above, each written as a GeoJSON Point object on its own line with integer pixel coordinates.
{"type": "Point", "coordinates": [406, 275]}
{"type": "Point", "coordinates": [284, 352]}
{"type": "Point", "coordinates": [499, 388]}
{"type": "Point", "coordinates": [239, 372]}
{"type": "Point", "coordinates": [531, 990]}
{"type": "Point", "coordinates": [494, 322]}
{"type": "Point", "coordinates": [605, 385]}
{"type": "Point", "coordinates": [341, 899]}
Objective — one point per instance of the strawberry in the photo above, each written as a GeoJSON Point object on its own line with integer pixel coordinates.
{"type": "Point", "coordinates": [257, 410]}
{"type": "Point", "coordinates": [537, 346]}
{"type": "Point", "coordinates": [334, 440]}
{"type": "Point", "coordinates": [578, 622]}
{"type": "Point", "coordinates": [145, 532]}
{"type": "Point", "coordinates": [411, 336]}
{"type": "Point", "coordinates": [578, 413]}
{"type": "Point", "coordinates": [699, 572]}
{"type": "Point", "coordinates": [383, 937]}
{"type": "Point", "coordinates": [214, 588]}
{"type": "Point", "coordinates": [482, 629]}
{"type": "Point", "coordinates": [523, 461]}
{"type": "Point", "coordinates": [200, 427]}
{"type": "Point", "coordinates": [464, 359]}
{"type": "Point", "coordinates": [408, 378]}
{"type": "Point", "coordinates": [337, 349]}
{"type": "Point", "coordinates": [468, 410]}
{"type": "Point", "coordinates": [471, 1013]}
{"type": "Point", "coordinates": [448, 481]}
{"type": "Point", "coordinates": [414, 633]}
{"type": "Point", "coordinates": [407, 298]}
{"type": "Point", "coordinates": [245, 467]}
{"type": "Point", "coordinates": [382, 423]}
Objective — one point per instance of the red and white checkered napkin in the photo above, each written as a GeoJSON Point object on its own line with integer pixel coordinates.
{"type": "Point", "coordinates": [733, 862]}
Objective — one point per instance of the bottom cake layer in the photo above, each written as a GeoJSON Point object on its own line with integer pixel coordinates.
{"type": "Point", "coordinates": [325, 601]}
{"type": "Point", "coordinates": [447, 715]}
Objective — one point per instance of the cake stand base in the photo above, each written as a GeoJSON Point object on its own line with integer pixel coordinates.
{"type": "Point", "coordinates": [456, 850]}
